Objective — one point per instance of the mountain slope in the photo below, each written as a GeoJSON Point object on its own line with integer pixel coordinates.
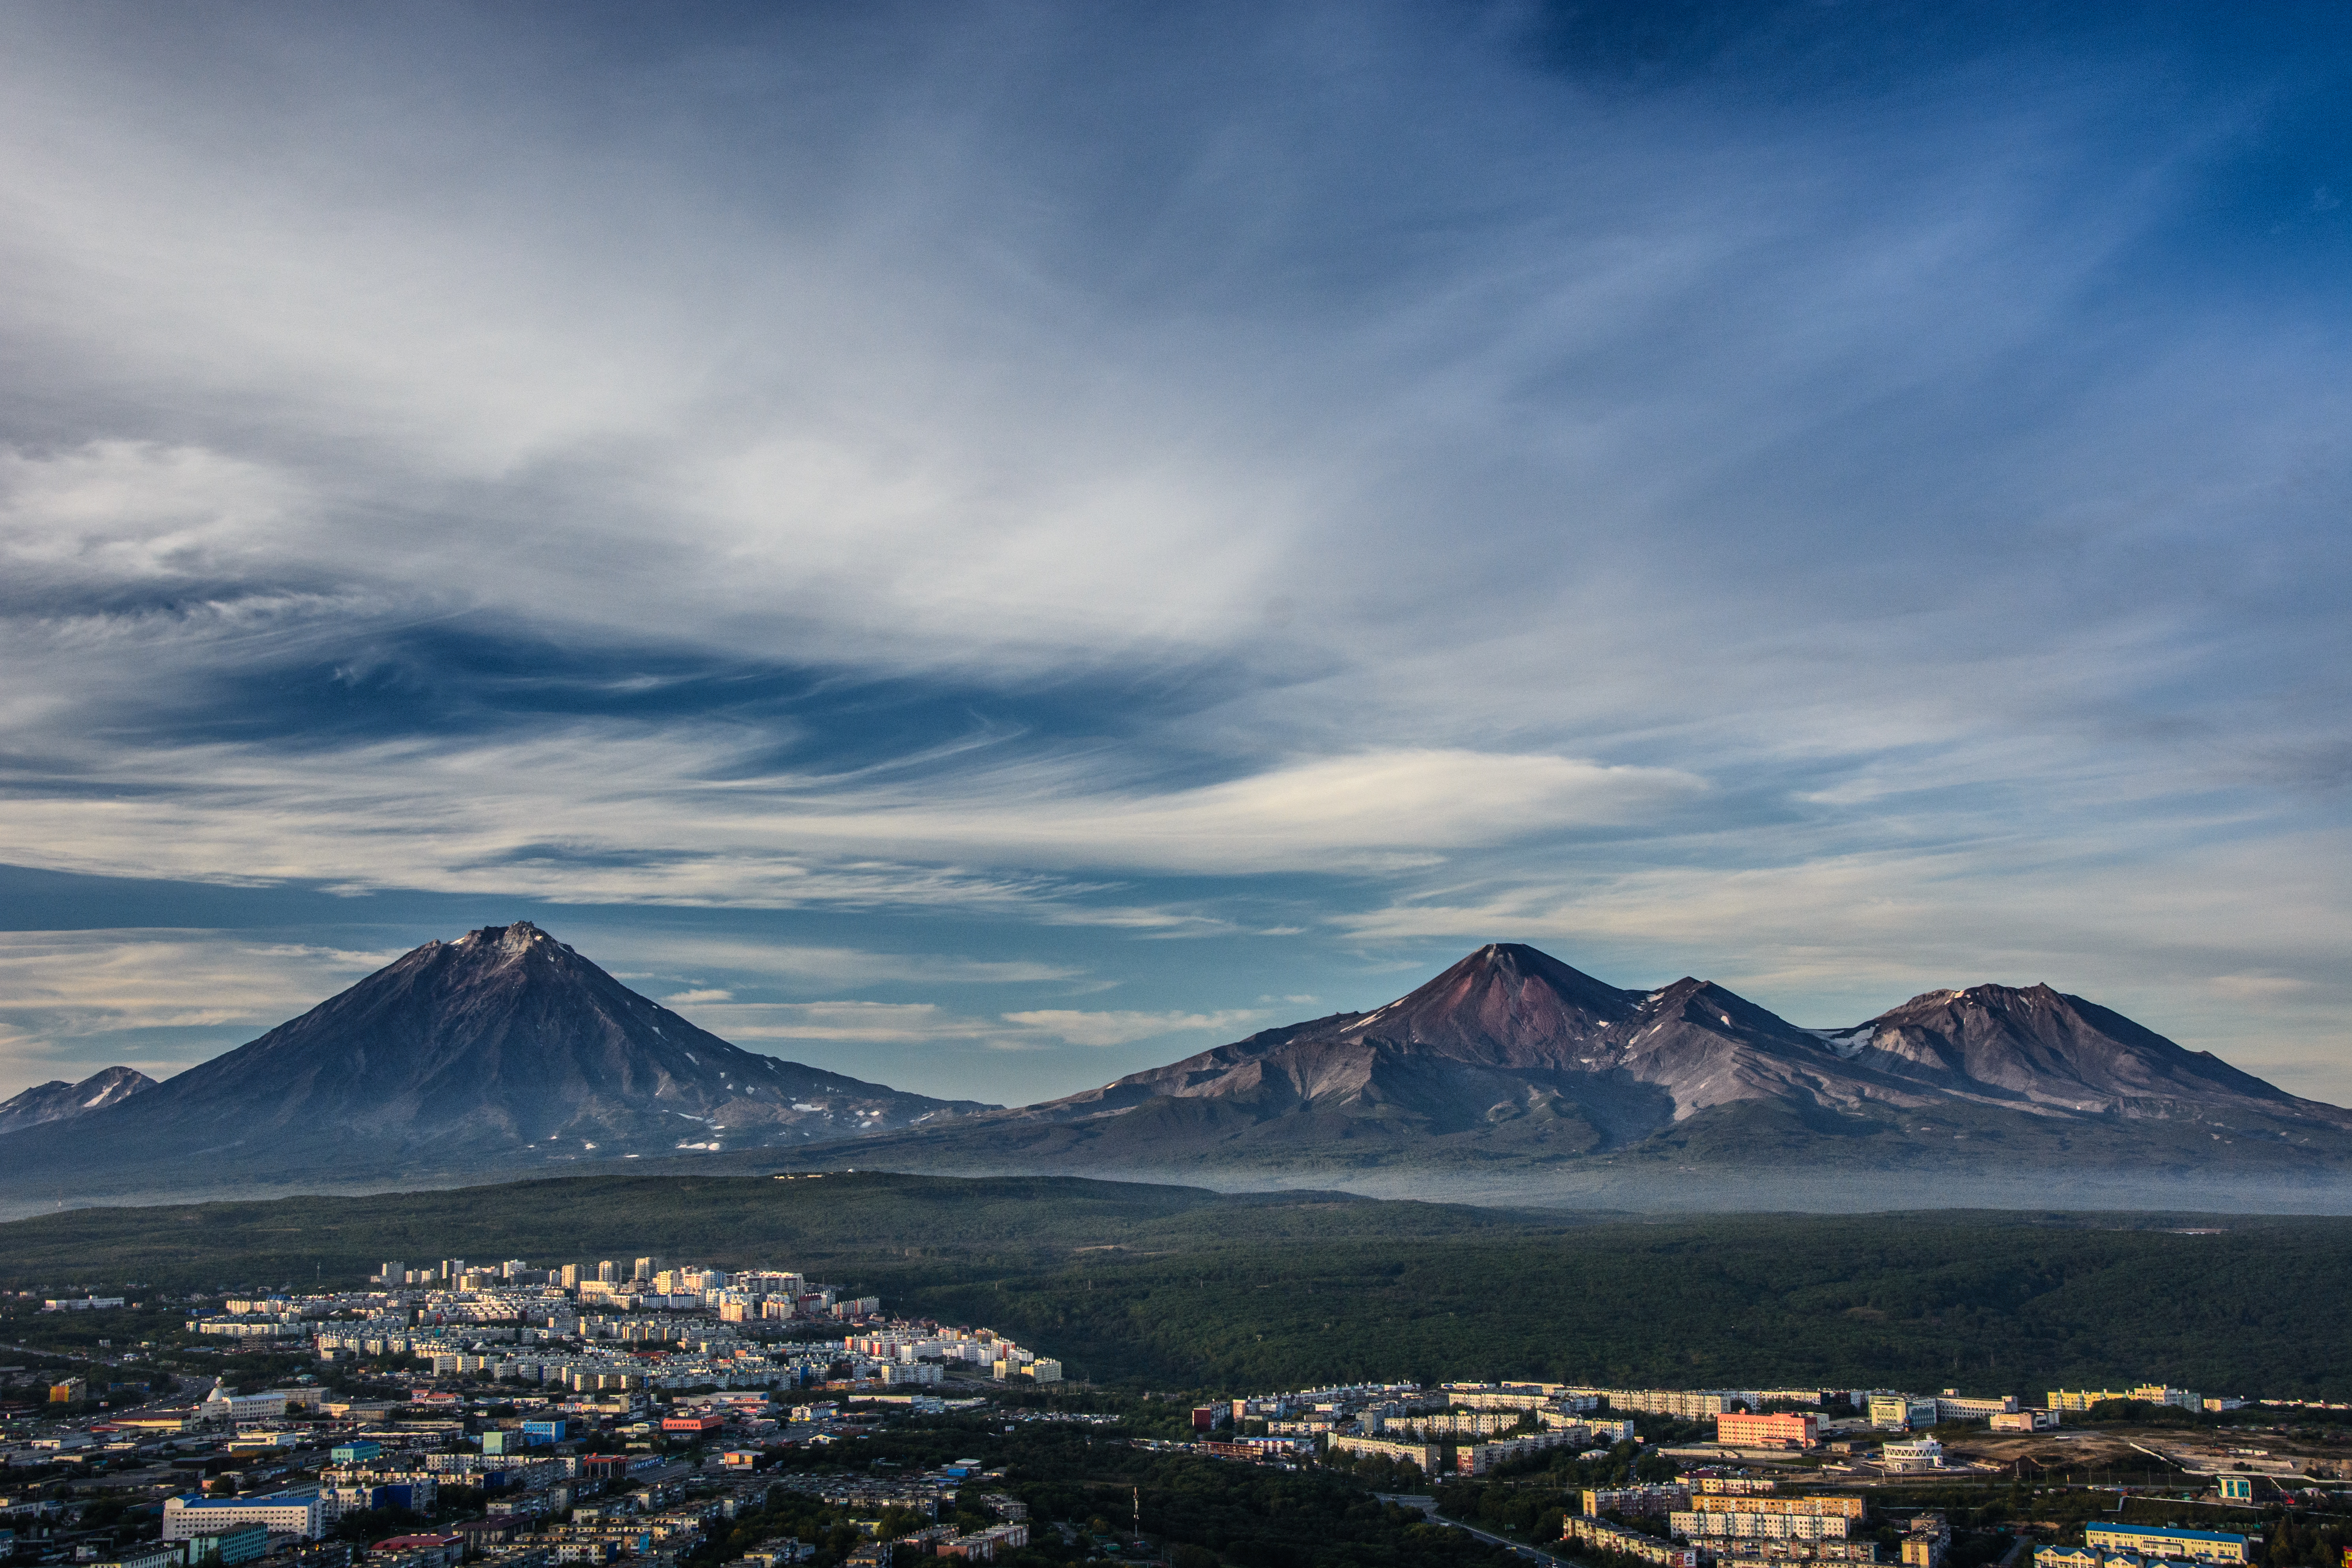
{"type": "Point", "coordinates": [502, 1049]}
{"type": "Point", "coordinates": [58, 1101]}
{"type": "Point", "coordinates": [2058, 1053]}
{"type": "Point", "coordinates": [1511, 1060]}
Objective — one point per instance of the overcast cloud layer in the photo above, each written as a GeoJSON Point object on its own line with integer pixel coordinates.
{"type": "Point", "coordinates": [987, 547]}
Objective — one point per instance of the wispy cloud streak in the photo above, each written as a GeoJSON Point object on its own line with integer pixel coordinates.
{"type": "Point", "coordinates": [1745, 490]}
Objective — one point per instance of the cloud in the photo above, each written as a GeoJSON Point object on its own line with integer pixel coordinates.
{"type": "Point", "coordinates": [862, 1022]}
{"type": "Point", "coordinates": [564, 815]}
{"type": "Point", "coordinates": [1380, 478]}
{"type": "Point", "coordinates": [1122, 1028]}
{"type": "Point", "coordinates": [689, 998]}
{"type": "Point", "coordinates": [928, 1024]}
{"type": "Point", "coordinates": [804, 964]}
{"type": "Point", "coordinates": [2257, 987]}
{"type": "Point", "coordinates": [111, 513]}
{"type": "Point", "coordinates": [67, 998]}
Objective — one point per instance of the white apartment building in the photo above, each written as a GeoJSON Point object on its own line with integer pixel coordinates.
{"type": "Point", "coordinates": [280, 1513]}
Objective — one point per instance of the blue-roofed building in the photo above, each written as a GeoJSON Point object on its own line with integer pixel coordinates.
{"type": "Point", "coordinates": [2154, 1541]}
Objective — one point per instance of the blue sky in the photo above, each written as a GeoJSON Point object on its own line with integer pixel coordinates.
{"type": "Point", "coordinates": [988, 547]}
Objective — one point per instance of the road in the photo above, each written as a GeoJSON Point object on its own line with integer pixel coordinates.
{"type": "Point", "coordinates": [1428, 1507]}
{"type": "Point", "coordinates": [1520, 1548]}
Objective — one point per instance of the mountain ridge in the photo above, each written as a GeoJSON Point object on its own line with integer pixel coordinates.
{"type": "Point", "coordinates": [1512, 1059]}
{"type": "Point", "coordinates": [1509, 1076]}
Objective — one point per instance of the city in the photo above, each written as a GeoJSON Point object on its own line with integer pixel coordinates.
{"type": "Point", "coordinates": [519, 1415]}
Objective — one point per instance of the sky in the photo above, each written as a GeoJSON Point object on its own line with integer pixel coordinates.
{"type": "Point", "coordinates": [992, 546]}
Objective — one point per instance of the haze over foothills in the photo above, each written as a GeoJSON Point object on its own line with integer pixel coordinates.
{"type": "Point", "coordinates": [986, 549]}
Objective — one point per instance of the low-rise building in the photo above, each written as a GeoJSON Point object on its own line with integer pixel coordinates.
{"type": "Point", "coordinates": [434, 1551]}
{"type": "Point", "coordinates": [2087, 1557]}
{"type": "Point", "coordinates": [224, 1546]}
{"type": "Point", "coordinates": [1950, 1407]}
{"type": "Point", "coordinates": [151, 1557]}
{"type": "Point", "coordinates": [2152, 1541]}
{"type": "Point", "coordinates": [1901, 1411]}
{"type": "Point", "coordinates": [2024, 1421]}
{"type": "Point", "coordinates": [1926, 1541]}
{"type": "Point", "coordinates": [1925, 1453]}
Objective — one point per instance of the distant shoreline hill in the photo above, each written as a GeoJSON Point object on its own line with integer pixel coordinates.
{"type": "Point", "coordinates": [1514, 1078]}
{"type": "Point", "coordinates": [504, 1052]}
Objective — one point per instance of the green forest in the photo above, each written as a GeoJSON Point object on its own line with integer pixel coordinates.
{"type": "Point", "coordinates": [1175, 1287]}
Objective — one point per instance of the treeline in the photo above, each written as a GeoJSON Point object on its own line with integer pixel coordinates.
{"type": "Point", "coordinates": [1183, 1290]}
{"type": "Point", "coordinates": [1994, 1305]}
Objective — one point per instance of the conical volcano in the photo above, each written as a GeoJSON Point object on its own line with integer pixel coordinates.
{"type": "Point", "coordinates": [502, 1049]}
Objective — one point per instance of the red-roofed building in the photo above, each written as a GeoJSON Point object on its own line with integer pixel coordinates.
{"type": "Point", "coordinates": [422, 1550]}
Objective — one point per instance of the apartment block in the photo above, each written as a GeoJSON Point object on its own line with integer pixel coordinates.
{"type": "Point", "coordinates": [280, 1513]}
{"type": "Point", "coordinates": [1603, 1536]}
{"type": "Point", "coordinates": [1428, 1455]}
{"type": "Point", "coordinates": [1787, 1431]}
{"type": "Point", "coordinates": [1704, 1524]}
{"type": "Point", "coordinates": [1837, 1504]}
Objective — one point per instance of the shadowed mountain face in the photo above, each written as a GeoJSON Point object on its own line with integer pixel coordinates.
{"type": "Point", "coordinates": [62, 1101]}
{"type": "Point", "coordinates": [502, 1049]}
{"type": "Point", "coordinates": [1512, 1060]}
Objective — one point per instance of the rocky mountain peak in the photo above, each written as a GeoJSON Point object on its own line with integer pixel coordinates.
{"type": "Point", "coordinates": [1504, 999]}
{"type": "Point", "coordinates": [2054, 1051]}
{"type": "Point", "coordinates": [61, 1101]}
{"type": "Point", "coordinates": [506, 942]}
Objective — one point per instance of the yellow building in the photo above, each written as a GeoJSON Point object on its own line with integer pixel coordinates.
{"type": "Point", "coordinates": [2149, 1540]}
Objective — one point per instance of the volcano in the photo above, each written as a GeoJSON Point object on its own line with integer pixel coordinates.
{"type": "Point", "coordinates": [504, 1050]}
{"type": "Point", "coordinates": [1512, 1066]}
